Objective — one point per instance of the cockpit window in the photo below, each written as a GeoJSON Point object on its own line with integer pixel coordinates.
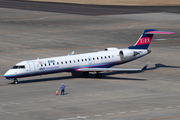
{"type": "Point", "coordinates": [21, 67]}
{"type": "Point", "coordinates": [15, 67]}
{"type": "Point", "coordinates": [18, 67]}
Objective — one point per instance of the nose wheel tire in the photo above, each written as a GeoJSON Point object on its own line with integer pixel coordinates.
{"type": "Point", "coordinates": [15, 81]}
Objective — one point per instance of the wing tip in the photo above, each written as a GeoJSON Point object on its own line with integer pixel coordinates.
{"type": "Point", "coordinates": [145, 67]}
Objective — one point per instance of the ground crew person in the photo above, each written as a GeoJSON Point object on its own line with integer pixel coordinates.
{"type": "Point", "coordinates": [62, 88]}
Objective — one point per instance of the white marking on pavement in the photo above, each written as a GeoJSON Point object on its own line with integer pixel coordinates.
{"type": "Point", "coordinates": [145, 109]}
{"type": "Point", "coordinates": [121, 112]}
{"type": "Point", "coordinates": [169, 107]}
{"type": "Point", "coordinates": [179, 106]}
{"type": "Point", "coordinates": [84, 117]}
{"type": "Point", "coordinates": [134, 111]}
{"type": "Point", "coordinates": [110, 113]}
{"type": "Point", "coordinates": [157, 108]}
{"type": "Point", "coordinates": [14, 103]}
{"type": "Point", "coordinates": [97, 115]}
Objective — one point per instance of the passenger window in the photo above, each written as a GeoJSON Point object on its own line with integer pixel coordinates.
{"type": "Point", "coordinates": [78, 60]}
{"type": "Point", "coordinates": [57, 63]}
{"type": "Point", "coordinates": [85, 59]}
{"type": "Point", "coordinates": [69, 61]}
{"type": "Point", "coordinates": [105, 57]}
{"type": "Point", "coordinates": [93, 58]}
{"type": "Point", "coordinates": [108, 56]}
{"type": "Point", "coordinates": [82, 60]}
{"type": "Point", "coordinates": [66, 62]}
{"type": "Point", "coordinates": [61, 62]}
{"type": "Point", "coordinates": [74, 61]}
{"type": "Point", "coordinates": [41, 65]}
{"type": "Point", "coordinates": [53, 63]}
{"type": "Point", "coordinates": [45, 64]}
{"type": "Point", "coordinates": [49, 64]}
{"type": "Point", "coordinates": [97, 58]}
{"type": "Point", "coordinates": [101, 57]}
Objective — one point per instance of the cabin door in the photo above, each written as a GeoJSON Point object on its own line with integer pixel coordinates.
{"type": "Point", "coordinates": [32, 67]}
{"type": "Point", "coordinates": [89, 60]}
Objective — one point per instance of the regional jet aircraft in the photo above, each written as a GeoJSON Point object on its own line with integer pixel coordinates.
{"type": "Point", "coordinates": [98, 62]}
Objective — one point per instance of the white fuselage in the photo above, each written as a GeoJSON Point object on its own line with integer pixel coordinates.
{"type": "Point", "coordinates": [70, 63]}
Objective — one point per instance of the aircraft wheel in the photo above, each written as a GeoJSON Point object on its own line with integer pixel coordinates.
{"type": "Point", "coordinates": [15, 81]}
{"type": "Point", "coordinates": [98, 75]}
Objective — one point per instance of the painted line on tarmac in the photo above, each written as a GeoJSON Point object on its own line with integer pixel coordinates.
{"type": "Point", "coordinates": [134, 111]}
{"type": "Point", "coordinates": [110, 113]}
{"type": "Point", "coordinates": [122, 112]}
{"type": "Point", "coordinates": [146, 109]}
{"type": "Point", "coordinates": [169, 107]}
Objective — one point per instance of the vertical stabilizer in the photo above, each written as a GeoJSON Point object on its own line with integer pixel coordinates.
{"type": "Point", "coordinates": [146, 37]}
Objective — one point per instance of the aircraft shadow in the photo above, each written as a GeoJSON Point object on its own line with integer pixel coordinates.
{"type": "Point", "coordinates": [159, 65]}
{"type": "Point", "coordinates": [93, 76]}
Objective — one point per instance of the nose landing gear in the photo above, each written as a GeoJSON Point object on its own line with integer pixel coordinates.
{"type": "Point", "coordinates": [15, 81]}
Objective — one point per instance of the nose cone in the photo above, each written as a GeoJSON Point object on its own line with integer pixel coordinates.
{"type": "Point", "coordinates": [9, 74]}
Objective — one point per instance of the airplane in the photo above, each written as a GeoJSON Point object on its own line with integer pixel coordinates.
{"type": "Point", "coordinates": [98, 62]}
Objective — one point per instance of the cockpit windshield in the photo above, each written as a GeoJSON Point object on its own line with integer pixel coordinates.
{"type": "Point", "coordinates": [18, 67]}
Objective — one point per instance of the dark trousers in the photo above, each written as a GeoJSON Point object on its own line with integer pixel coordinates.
{"type": "Point", "coordinates": [62, 92]}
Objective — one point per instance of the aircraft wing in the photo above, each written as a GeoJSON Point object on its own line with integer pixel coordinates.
{"type": "Point", "coordinates": [110, 69]}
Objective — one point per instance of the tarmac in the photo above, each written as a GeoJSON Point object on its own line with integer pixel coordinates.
{"type": "Point", "coordinates": [27, 33]}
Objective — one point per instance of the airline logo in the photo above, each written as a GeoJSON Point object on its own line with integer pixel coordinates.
{"type": "Point", "coordinates": [144, 40]}
{"type": "Point", "coordinates": [51, 61]}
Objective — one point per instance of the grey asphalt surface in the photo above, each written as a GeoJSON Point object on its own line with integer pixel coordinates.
{"type": "Point", "coordinates": [27, 34]}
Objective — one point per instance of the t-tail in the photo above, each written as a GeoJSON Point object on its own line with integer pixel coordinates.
{"type": "Point", "coordinates": [146, 37]}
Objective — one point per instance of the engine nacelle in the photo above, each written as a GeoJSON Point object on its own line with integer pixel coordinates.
{"type": "Point", "coordinates": [127, 54]}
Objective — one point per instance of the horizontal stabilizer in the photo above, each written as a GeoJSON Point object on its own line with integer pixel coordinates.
{"type": "Point", "coordinates": [159, 32]}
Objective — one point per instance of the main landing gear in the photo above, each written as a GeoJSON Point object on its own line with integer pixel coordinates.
{"type": "Point", "coordinates": [98, 75]}
{"type": "Point", "coordinates": [15, 81]}
{"type": "Point", "coordinates": [85, 73]}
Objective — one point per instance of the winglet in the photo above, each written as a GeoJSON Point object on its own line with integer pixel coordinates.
{"type": "Point", "coordinates": [145, 67]}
